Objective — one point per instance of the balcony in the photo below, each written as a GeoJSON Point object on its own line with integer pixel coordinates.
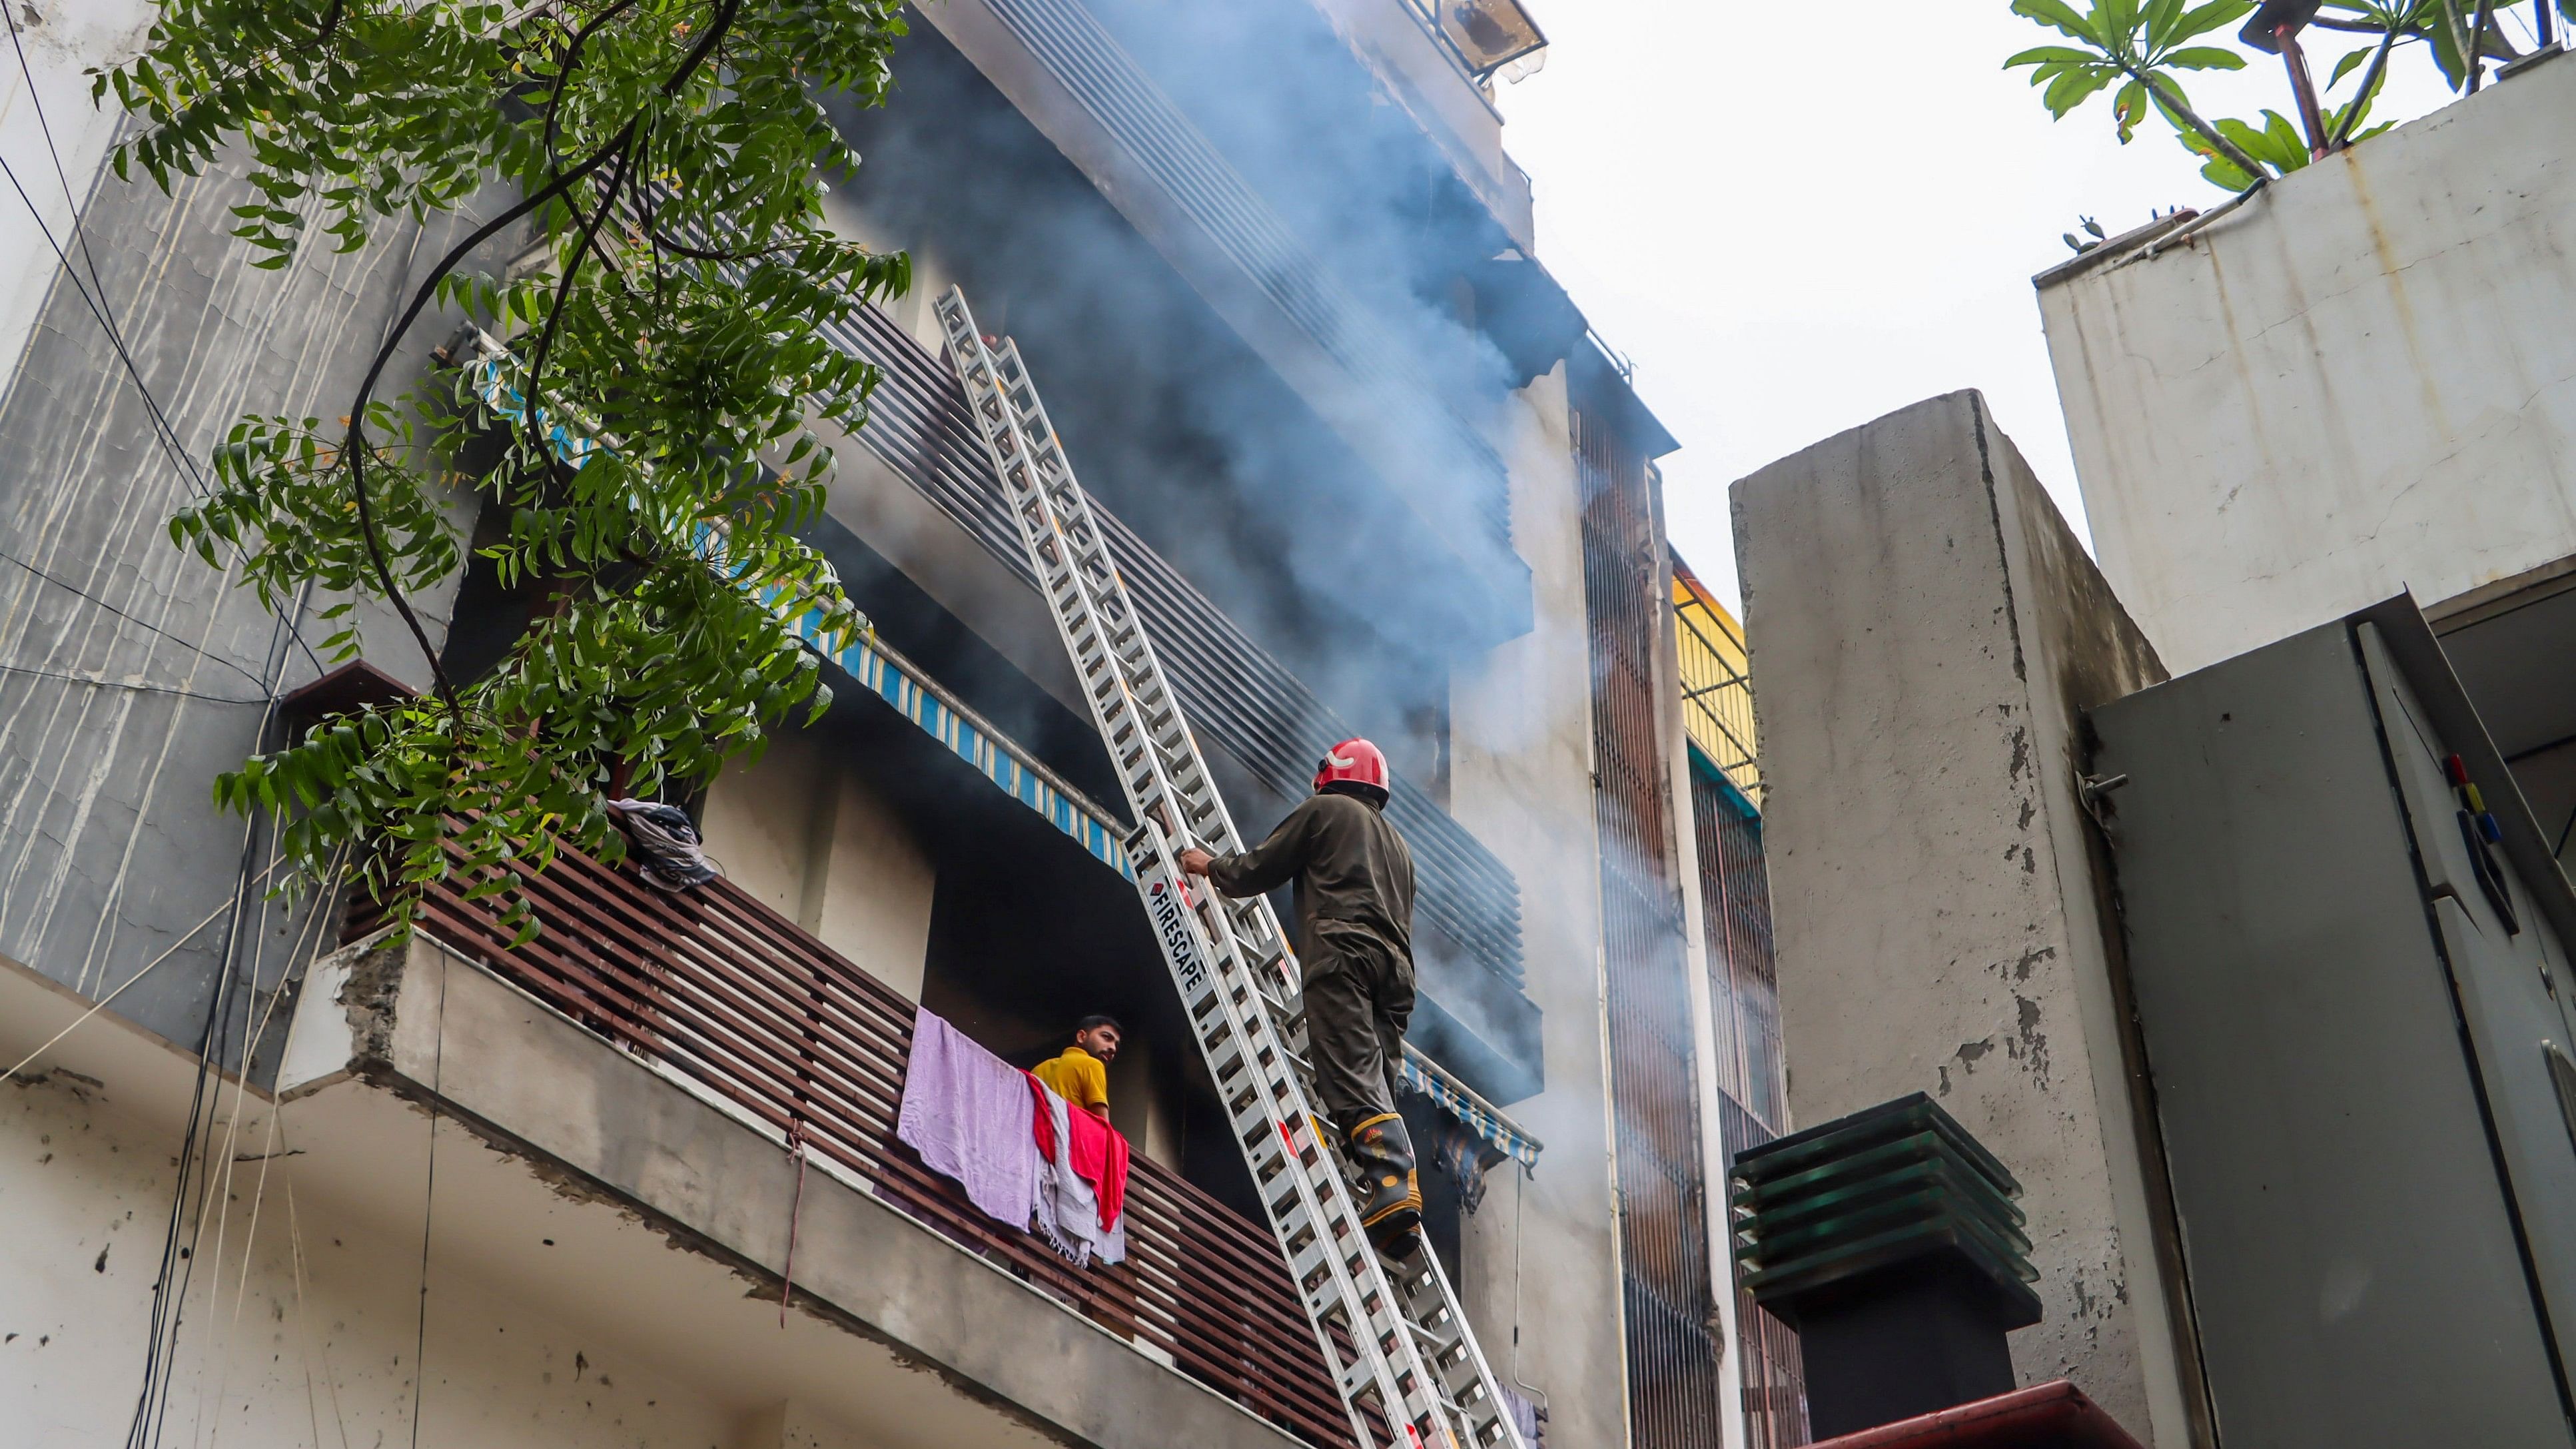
{"type": "Point", "coordinates": [1717, 691]}
{"type": "Point", "coordinates": [704, 1063]}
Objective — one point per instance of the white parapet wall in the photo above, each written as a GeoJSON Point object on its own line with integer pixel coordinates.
{"type": "Point", "coordinates": [2362, 380]}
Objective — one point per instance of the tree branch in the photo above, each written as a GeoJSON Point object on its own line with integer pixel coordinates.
{"type": "Point", "coordinates": [565, 67]}
{"type": "Point", "coordinates": [2173, 101]}
{"type": "Point", "coordinates": [356, 446]}
{"type": "Point", "coordinates": [563, 287]}
{"type": "Point", "coordinates": [725, 14]}
{"type": "Point", "coordinates": [2459, 42]}
{"type": "Point", "coordinates": [2361, 98]}
{"type": "Point", "coordinates": [2476, 59]}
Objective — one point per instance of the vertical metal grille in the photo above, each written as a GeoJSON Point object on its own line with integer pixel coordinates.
{"type": "Point", "coordinates": [1773, 1373]}
{"type": "Point", "coordinates": [1676, 1388]}
{"type": "Point", "coordinates": [1735, 904]}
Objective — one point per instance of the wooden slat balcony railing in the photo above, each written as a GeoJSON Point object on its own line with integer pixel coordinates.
{"type": "Point", "coordinates": [793, 1039]}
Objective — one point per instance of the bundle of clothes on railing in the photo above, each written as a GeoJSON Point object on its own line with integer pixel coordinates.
{"type": "Point", "coordinates": [1022, 1153]}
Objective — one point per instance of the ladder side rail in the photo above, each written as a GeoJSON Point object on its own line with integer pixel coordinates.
{"type": "Point", "coordinates": [1232, 1031]}
{"type": "Point", "coordinates": [1231, 1034]}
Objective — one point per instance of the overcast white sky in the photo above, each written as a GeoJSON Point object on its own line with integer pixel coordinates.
{"type": "Point", "coordinates": [1796, 218]}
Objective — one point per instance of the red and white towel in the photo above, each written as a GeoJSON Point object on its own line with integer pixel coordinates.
{"type": "Point", "coordinates": [1082, 1190]}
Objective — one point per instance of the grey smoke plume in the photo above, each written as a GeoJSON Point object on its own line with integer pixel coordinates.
{"type": "Point", "coordinates": [1172, 420]}
{"type": "Point", "coordinates": [1366, 570]}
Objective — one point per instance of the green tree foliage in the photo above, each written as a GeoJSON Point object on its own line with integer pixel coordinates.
{"type": "Point", "coordinates": [2277, 143]}
{"type": "Point", "coordinates": [649, 382]}
{"type": "Point", "coordinates": [2138, 45]}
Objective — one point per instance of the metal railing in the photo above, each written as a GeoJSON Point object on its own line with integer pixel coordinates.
{"type": "Point", "coordinates": [1678, 1392]}
{"type": "Point", "coordinates": [740, 1006]}
{"type": "Point", "coordinates": [1717, 695]}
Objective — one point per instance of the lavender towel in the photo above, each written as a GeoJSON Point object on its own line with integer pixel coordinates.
{"type": "Point", "coordinates": [970, 1116]}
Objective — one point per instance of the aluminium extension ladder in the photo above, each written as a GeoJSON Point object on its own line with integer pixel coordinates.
{"type": "Point", "coordinates": [1405, 1349]}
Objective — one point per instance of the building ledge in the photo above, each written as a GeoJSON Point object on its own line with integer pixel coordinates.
{"type": "Point", "coordinates": [569, 1168]}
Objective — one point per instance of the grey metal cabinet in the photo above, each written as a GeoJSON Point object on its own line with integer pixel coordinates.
{"type": "Point", "coordinates": [2349, 986]}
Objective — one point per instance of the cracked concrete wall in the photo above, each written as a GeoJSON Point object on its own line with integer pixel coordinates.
{"type": "Point", "coordinates": [131, 674]}
{"type": "Point", "coordinates": [1925, 632]}
{"type": "Point", "coordinates": [2361, 381]}
{"type": "Point", "coordinates": [303, 1325]}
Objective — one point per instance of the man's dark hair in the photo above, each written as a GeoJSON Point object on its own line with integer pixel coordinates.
{"type": "Point", "coordinates": [1096, 1019]}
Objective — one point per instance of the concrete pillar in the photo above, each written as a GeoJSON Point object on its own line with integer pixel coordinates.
{"type": "Point", "coordinates": [1925, 632]}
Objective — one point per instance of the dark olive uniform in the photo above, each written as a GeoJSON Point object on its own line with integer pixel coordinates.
{"type": "Point", "coordinates": [1354, 939]}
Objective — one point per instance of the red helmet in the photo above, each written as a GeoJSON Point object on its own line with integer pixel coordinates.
{"type": "Point", "coordinates": [1354, 760]}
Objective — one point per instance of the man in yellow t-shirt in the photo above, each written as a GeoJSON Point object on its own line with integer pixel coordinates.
{"type": "Point", "coordinates": [1081, 1074]}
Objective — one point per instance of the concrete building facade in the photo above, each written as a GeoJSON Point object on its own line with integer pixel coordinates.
{"type": "Point", "coordinates": [561, 1195]}
{"type": "Point", "coordinates": [1925, 635]}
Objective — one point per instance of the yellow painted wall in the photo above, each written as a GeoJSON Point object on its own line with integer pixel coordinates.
{"type": "Point", "coordinates": [1717, 695]}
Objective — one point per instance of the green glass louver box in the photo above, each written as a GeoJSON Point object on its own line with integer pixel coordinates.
{"type": "Point", "coordinates": [1899, 1187]}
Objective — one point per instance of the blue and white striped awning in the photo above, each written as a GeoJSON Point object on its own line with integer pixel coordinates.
{"type": "Point", "coordinates": [1473, 1112]}
{"type": "Point", "coordinates": [901, 683]}
{"type": "Point", "coordinates": [894, 679]}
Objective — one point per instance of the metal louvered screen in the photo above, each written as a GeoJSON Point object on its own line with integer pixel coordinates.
{"type": "Point", "coordinates": [1246, 702]}
{"type": "Point", "coordinates": [1676, 1387]}
{"type": "Point", "coordinates": [1735, 907]}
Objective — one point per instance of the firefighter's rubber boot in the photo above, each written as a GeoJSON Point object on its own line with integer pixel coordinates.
{"type": "Point", "coordinates": [1390, 1194]}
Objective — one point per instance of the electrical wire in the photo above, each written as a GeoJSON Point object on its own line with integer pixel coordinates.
{"type": "Point", "coordinates": [98, 307]}
{"type": "Point", "coordinates": [164, 432]}
{"type": "Point", "coordinates": [428, 1203]}
{"type": "Point", "coordinates": [139, 686]}
{"type": "Point", "coordinates": [313, 1348]}
{"type": "Point", "coordinates": [136, 620]}
{"type": "Point", "coordinates": [152, 1399]}
{"type": "Point", "coordinates": [151, 1407]}
{"type": "Point", "coordinates": [46, 128]}
{"type": "Point", "coordinates": [101, 1004]}
{"type": "Point", "coordinates": [300, 946]}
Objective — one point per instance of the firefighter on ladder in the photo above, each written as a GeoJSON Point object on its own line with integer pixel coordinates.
{"type": "Point", "coordinates": [1355, 941]}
